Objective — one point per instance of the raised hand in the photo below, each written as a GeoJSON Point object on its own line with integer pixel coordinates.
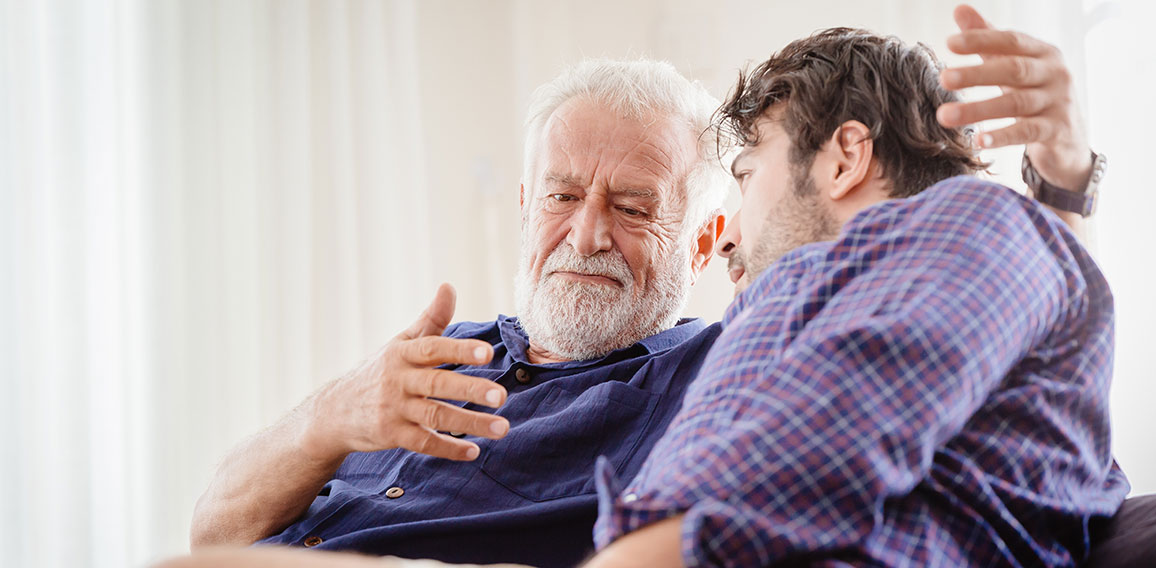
{"type": "Point", "coordinates": [1038, 93]}
{"type": "Point", "coordinates": [388, 402]}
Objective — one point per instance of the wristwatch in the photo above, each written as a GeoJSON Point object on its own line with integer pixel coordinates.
{"type": "Point", "coordinates": [1082, 202]}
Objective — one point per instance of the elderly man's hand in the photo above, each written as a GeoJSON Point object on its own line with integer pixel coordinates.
{"type": "Point", "coordinates": [389, 401]}
{"type": "Point", "coordinates": [1037, 92]}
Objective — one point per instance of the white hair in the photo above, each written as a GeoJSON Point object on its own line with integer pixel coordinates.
{"type": "Point", "coordinates": [640, 89]}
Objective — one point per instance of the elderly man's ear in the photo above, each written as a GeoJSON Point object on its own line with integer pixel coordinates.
{"type": "Point", "coordinates": [522, 202]}
{"type": "Point", "coordinates": [705, 240]}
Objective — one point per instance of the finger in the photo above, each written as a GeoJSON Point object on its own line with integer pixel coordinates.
{"type": "Point", "coordinates": [449, 385]}
{"type": "Point", "coordinates": [968, 18]}
{"type": "Point", "coordinates": [434, 350]}
{"type": "Point", "coordinates": [430, 443]}
{"type": "Point", "coordinates": [1007, 72]}
{"type": "Point", "coordinates": [1020, 103]}
{"type": "Point", "coordinates": [998, 42]}
{"type": "Point", "coordinates": [437, 316]}
{"type": "Point", "coordinates": [1024, 131]}
{"type": "Point", "coordinates": [437, 415]}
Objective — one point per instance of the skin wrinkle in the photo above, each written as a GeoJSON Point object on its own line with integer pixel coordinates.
{"type": "Point", "coordinates": [569, 181]}
{"type": "Point", "coordinates": [607, 163]}
{"type": "Point", "coordinates": [664, 167]}
{"type": "Point", "coordinates": [662, 164]}
{"type": "Point", "coordinates": [662, 218]}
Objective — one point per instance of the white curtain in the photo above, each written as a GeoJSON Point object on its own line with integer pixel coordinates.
{"type": "Point", "coordinates": [207, 208]}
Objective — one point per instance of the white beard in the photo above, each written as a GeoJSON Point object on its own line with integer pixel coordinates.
{"type": "Point", "coordinates": [581, 320]}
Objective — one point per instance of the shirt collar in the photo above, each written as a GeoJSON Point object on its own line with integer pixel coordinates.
{"type": "Point", "coordinates": [517, 342]}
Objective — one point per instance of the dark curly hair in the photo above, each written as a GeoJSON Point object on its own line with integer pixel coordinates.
{"type": "Point", "coordinates": [843, 74]}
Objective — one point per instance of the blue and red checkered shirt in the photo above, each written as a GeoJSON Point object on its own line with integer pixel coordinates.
{"type": "Point", "coordinates": [931, 389]}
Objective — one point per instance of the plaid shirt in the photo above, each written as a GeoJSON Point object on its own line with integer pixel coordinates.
{"type": "Point", "coordinates": [931, 389]}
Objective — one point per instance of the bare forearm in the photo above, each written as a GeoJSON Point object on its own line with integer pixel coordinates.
{"type": "Point", "coordinates": [264, 483]}
{"type": "Point", "coordinates": [392, 400]}
{"type": "Point", "coordinates": [651, 546]}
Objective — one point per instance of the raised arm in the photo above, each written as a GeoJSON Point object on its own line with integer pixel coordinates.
{"type": "Point", "coordinates": [1038, 92]}
{"type": "Point", "coordinates": [829, 398]}
{"type": "Point", "coordinates": [270, 479]}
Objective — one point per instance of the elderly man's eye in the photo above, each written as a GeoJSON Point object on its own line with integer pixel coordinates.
{"type": "Point", "coordinates": [631, 212]}
{"type": "Point", "coordinates": [562, 197]}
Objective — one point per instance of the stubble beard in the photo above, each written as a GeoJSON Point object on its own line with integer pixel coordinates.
{"type": "Point", "coordinates": [799, 219]}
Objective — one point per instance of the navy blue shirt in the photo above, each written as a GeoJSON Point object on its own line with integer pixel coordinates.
{"type": "Point", "coordinates": [529, 497]}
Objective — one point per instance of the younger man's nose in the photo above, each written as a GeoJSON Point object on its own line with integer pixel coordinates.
{"type": "Point", "coordinates": [730, 239]}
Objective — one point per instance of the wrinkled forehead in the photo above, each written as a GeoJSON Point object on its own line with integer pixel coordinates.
{"type": "Point", "coordinates": [584, 139]}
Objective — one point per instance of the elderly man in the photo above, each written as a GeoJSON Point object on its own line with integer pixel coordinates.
{"type": "Point", "coordinates": [917, 371]}
{"type": "Point", "coordinates": [620, 215]}
{"type": "Point", "coordinates": [620, 212]}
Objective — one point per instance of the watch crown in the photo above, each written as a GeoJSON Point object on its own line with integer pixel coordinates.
{"type": "Point", "coordinates": [1099, 166]}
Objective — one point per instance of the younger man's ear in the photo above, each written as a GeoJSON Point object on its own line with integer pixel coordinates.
{"type": "Point", "coordinates": [850, 150]}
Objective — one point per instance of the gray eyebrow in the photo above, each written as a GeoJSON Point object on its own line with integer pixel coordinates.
{"type": "Point", "coordinates": [563, 179]}
{"type": "Point", "coordinates": [571, 180]}
{"type": "Point", "coordinates": [635, 192]}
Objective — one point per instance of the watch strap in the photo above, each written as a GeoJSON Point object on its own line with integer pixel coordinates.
{"type": "Point", "coordinates": [1082, 202]}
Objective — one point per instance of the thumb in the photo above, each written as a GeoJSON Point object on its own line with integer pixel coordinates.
{"type": "Point", "coordinates": [436, 317]}
{"type": "Point", "coordinates": [967, 18]}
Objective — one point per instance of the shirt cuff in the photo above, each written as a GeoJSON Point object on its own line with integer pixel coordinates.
{"type": "Point", "coordinates": [712, 533]}
{"type": "Point", "coordinates": [620, 513]}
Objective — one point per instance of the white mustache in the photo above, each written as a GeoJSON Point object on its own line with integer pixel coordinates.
{"type": "Point", "coordinates": [610, 264]}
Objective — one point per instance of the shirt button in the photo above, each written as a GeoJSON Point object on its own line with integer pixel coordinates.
{"type": "Point", "coordinates": [313, 541]}
{"type": "Point", "coordinates": [523, 376]}
{"type": "Point", "coordinates": [394, 492]}
{"type": "Point", "coordinates": [629, 498]}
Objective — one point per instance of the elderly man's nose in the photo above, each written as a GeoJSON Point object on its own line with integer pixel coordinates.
{"type": "Point", "coordinates": [589, 231]}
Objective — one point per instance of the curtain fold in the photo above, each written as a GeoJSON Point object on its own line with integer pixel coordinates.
{"type": "Point", "coordinates": [208, 208]}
